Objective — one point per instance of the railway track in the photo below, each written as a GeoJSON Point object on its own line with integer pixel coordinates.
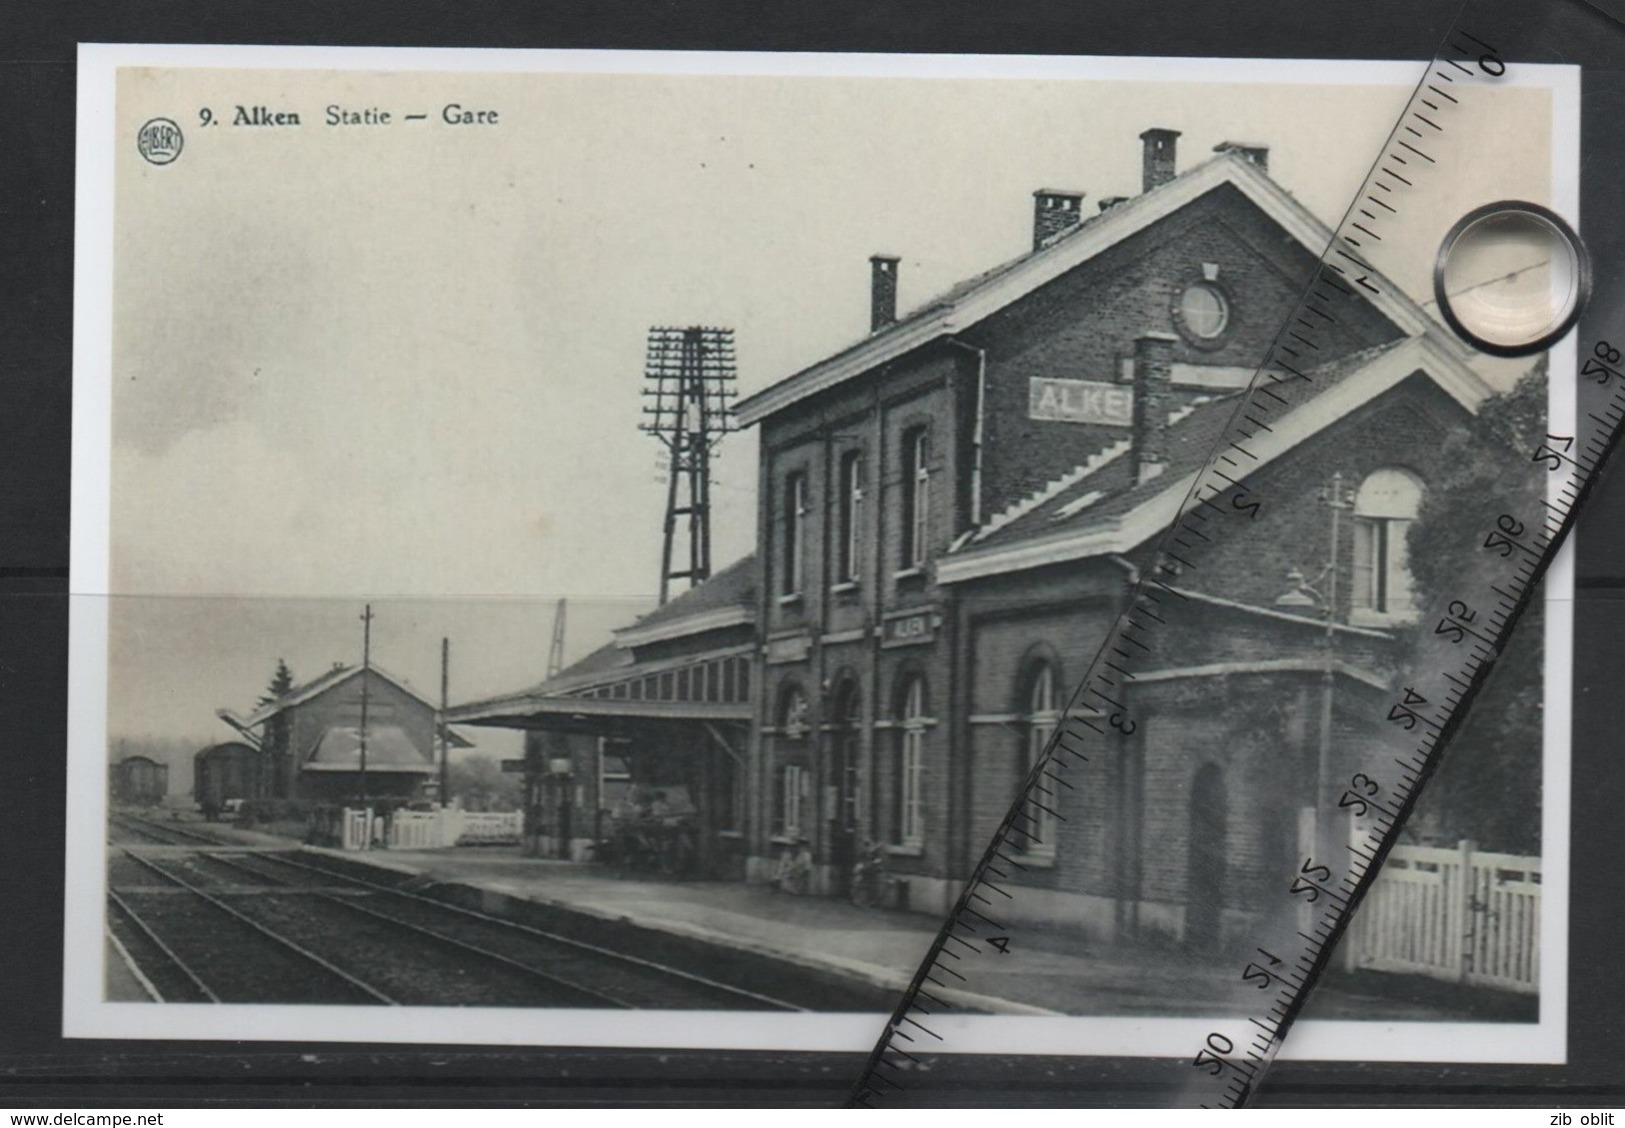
{"type": "Point", "coordinates": [616, 978]}
{"type": "Point", "coordinates": [212, 923]}
{"type": "Point", "coordinates": [221, 954]}
{"type": "Point", "coordinates": [158, 833]}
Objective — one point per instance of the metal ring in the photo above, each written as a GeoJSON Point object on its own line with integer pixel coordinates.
{"type": "Point", "coordinates": [1582, 267]}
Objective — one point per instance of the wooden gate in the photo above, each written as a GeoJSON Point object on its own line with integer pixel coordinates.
{"type": "Point", "coordinates": [1460, 915]}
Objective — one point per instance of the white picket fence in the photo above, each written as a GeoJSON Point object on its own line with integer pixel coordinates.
{"type": "Point", "coordinates": [417, 830]}
{"type": "Point", "coordinates": [450, 826]}
{"type": "Point", "coordinates": [490, 828]}
{"type": "Point", "coordinates": [1459, 915]}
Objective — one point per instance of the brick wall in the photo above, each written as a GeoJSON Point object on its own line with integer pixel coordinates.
{"type": "Point", "coordinates": [1082, 325]}
{"type": "Point", "coordinates": [1402, 429]}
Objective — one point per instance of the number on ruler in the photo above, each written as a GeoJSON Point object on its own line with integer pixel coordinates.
{"type": "Point", "coordinates": [1505, 538]}
{"type": "Point", "coordinates": [1457, 624]}
{"type": "Point", "coordinates": [1214, 1054]}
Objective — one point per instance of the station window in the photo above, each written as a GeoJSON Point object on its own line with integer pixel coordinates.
{"type": "Point", "coordinates": [916, 497]}
{"type": "Point", "coordinates": [1041, 720]}
{"type": "Point", "coordinates": [1384, 508]}
{"type": "Point", "coordinates": [851, 530]}
{"type": "Point", "coordinates": [909, 821]}
{"type": "Point", "coordinates": [792, 790]}
{"type": "Point", "coordinates": [795, 528]}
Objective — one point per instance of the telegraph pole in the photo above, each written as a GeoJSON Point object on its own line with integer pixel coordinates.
{"type": "Point", "coordinates": [445, 667]}
{"type": "Point", "coordinates": [366, 676]}
{"type": "Point", "coordinates": [689, 388]}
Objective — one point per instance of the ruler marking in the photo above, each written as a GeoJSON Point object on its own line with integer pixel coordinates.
{"type": "Point", "coordinates": [1459, 67]}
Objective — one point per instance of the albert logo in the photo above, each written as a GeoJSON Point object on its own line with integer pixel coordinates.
{"type": "Point", "coordinates": [160, 141]}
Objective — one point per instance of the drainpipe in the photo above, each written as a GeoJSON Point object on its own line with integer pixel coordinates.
{"type": "Point", "coordinates": [976, 431]}
{"type": "Point", "coordinates": [1129, 869]}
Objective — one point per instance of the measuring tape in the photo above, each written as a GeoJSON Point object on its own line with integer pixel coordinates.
{"type": "Point", "coordinates": [1366, 781]}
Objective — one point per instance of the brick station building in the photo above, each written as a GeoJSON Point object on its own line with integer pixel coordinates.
{"type": "Point", "coordinates": [953, 511]}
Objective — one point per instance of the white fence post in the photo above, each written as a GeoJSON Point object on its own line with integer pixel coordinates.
{"type": "Point", "coordinates": [1466, 924]}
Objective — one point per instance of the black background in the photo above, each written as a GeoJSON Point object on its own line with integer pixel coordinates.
{"type": "Point", "coordinates": [36, 208]}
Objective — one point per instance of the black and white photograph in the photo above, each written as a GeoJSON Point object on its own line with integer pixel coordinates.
{"type": "Point", "coordinates": [586, 549]}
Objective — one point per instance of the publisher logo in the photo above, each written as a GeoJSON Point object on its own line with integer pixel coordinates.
{"type": "Point", "coordinates": [159, 141]}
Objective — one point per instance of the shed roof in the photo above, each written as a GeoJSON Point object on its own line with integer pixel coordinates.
{"type": "Point", "coordinates": [389, 749]}
{"type": "Point", "coordinates": [727, 599]}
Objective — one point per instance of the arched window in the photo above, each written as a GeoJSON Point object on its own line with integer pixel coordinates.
{"type": "Point", "coordinates": [1041, 719]}
{"type": "Point", "coordinates": [1386, 504]}
{"type": "Point", "coordinates": [909, 825]}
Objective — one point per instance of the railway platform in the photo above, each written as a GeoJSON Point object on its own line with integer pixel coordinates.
{"type": "Point", "coordinates": [876, 947]}
{"type": "Point", "coordinates": [222, 913]}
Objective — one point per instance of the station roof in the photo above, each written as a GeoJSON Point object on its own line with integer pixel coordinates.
{"type": "Point", "coordinates": [389, 749]}
{"type": "Point", "coordinates": [985, 294]}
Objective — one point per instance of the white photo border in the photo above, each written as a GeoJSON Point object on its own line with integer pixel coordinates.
{"type": "Point", "coordinates": [86, 1014]}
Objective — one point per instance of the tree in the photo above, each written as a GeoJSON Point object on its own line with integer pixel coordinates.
{"type": "Point", "coordinates": [1488, 784]}
{"type": "Point", "coordinates": [482, 785]}
{"type": "Point", "coordinates": [281, 683]}
{"type": "Point", "coordinates": [274, 738]}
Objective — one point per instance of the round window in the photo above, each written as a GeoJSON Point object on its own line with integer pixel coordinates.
{"type": "Point", "coordinates": [1204, 310]}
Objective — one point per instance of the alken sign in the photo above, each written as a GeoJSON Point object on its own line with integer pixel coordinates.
{"type": "Point", "coordinates": [1080, 401]}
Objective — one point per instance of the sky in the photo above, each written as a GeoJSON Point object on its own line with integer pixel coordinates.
{"type": "Point", "coordinates": [402, 364]}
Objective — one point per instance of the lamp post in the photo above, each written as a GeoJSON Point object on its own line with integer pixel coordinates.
{"type": "Point", "coordinates": [1306, 595]}
{"type": "Point", "coordinates": [558, 769]}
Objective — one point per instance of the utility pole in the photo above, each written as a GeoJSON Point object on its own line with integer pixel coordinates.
{"type": "Point", "coordinates": [445, 667]}
{"type": "Point", "coordinates": [366, 676]}
{"type": "Point", "coordinates": [1337, 499]}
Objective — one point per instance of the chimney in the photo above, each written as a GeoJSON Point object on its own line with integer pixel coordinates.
{"type": "Point", "coordinates": [882, 291]}
{"type": "Point", "coordinates": [1157, 157]}
{"type": "Point", "coordinates": [1153, 376]}
{"type": "Point", "coordinates": [1055, 210]}
{"type": "Point", "coordinates": [1250, 151]}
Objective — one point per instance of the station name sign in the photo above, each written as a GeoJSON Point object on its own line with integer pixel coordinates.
{"type": "Point", "coordinates": [1080, 401]}
{"type": "Point", "coordinates": [911, 628]}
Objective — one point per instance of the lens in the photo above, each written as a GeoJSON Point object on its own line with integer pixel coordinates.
{"type": "Point", "coordinates": [1511, 278]}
